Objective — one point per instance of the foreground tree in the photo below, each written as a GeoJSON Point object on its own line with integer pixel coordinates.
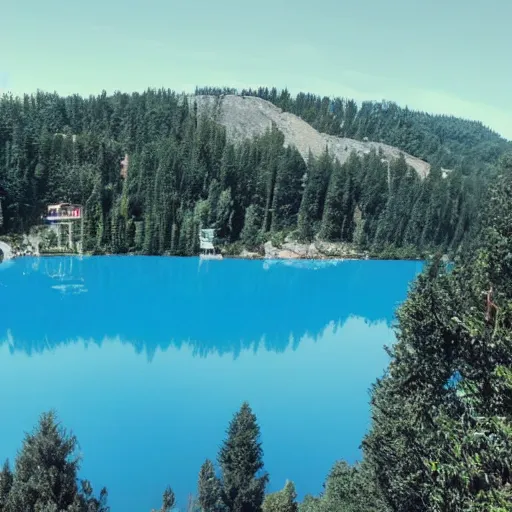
{"type": "Point", "coordinates": [281, 501]}
{"type": "Point", "coordinates": [352, 489]}
{"type": "Point", "coordinates": [168, 501]}
{"type": "Point", "coordinates": [209, 488]}
{"type": "Point", "coordinates": [310, 504]}
{"type": "Point", "coordinates": [6, 478]}
{"type": "Point", "coordinates": [46, 470]}
{"type": "Point", "coordinates": [241, 462]}
{"type": "Point", "coordinates": [441, 438]}
{"type": "Point", "coordinates": [348, 489]}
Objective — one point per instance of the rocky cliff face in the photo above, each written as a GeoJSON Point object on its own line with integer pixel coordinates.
{"type": "Point", "coordinates": [247, 116]}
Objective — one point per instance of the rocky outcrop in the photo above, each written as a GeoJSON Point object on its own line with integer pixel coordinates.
{"type": "Point", "coordinates": [247, 116]}
{"type": "Point", "coordinates": [24, 245]}
{"type": "Point", "coordinates": [7, 251]}
{"type": "Point", "coordinates": [315, 250]}
{"type": "Point", "coordinates": [249, 255]}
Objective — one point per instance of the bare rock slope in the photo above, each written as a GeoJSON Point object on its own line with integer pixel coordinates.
{"type": "Point", "coordinates": [249, 116]}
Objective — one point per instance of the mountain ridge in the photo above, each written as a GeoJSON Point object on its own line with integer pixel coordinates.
{"type": "Point", "coordinates": [443, 141]}
{"type": "Point", "coordinates": [245, 117]}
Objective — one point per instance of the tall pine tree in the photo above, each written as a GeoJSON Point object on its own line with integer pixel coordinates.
{"type": "Point", "coordinates": [241, 462]}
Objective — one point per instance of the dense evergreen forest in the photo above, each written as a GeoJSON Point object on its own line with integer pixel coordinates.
{"type": "Point", "coordinates": [183, 173]}
{"type": "Point", "coordinates": [441, 432]}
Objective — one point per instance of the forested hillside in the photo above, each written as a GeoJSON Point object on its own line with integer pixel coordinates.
{"type": "Point", "coordinates": [444, 141]}
{"type": "Point", "coordinates": [246, 117]}
{"type": "Point", "coordinates": [183, 173]}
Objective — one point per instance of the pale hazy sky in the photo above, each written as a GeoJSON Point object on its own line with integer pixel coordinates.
{"type": "Point", "coordinates": [443, 56]}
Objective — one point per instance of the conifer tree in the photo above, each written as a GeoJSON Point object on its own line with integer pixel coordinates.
{"type": "Point", "coordinates": [209, 491]}
{"type": "Point", "coordinates": [46, 469]}
{"type": "Point", "coordinates": [288, 190]}
{"type": "Point", "coordinates": [168, 501]}
{"type": "Point", "coordinates": [6, 479]}
{"type": "Point", "coordinates": [225, 214]}
{"type": "Point", "coordinates": [336, 210]}
{"type": "Point", "coordinates": [311, 504]}
{"type": "Point", "coordinates": [241, 462]}
{"type": "Point", "coordinates": [251, 231]}
{"type": "Point", "coordinates": [441, 436]}
{"type": "Point", "coordinates": [312, 205]}
{"type": "Point", "coordinates": [281, 501]}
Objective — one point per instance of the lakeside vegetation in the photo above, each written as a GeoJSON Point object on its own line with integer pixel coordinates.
{"type": "Point", "coordinates": [183, 173]}
{"type": "Point", "coordinates": [441, 432]}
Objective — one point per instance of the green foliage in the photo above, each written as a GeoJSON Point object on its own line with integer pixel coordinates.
{"type": "Point", "coordinates": [241, 463]}
{"type": "Point", "coordinates": [278, 238]}
{"type": "Point", "coordinates": [313, 199]}
{"type": "Point", "coordinates": [310, 504]}
{"type": "Point", "coordinates": [442, 416]}
{"type": "Point", "coordinates": [251, 234]}
{"type": "Point", "coordinates": [45, 475]}
{"type": "Point", "coordinates": [6, 479]}
{"type": "Point", "coordinates": [287, 189]}
{"type": "Point", "coordinates": [348, 488]}
{"type": "Point", "coordinates": [209, 490]}
{"type": "Point", "coordinates": [168, 501]}
{"type": "Point", "coordinates": [234, 249]}
{"type": "Point", "coordinates": [340, 202]}
{"type": "Point", "coordinates": [281, 501]}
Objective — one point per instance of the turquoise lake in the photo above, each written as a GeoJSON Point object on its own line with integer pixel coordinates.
{"type": "Point", "coordinates": [146, 359]}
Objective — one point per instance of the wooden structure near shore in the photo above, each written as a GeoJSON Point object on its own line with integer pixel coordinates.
{"type": "Point", "coordinates": [65, 214]}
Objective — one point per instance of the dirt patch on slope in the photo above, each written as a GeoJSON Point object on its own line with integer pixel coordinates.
{"type": "Point", "coordinates": [248, 116]}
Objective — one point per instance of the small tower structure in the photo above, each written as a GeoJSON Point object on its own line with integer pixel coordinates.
{"type": "Point", "coordinates": [62, 214]}
{"type": "Point", "coordinates": [206, 237]}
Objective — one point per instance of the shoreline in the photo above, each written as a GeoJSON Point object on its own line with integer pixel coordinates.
{"type": "Point", "coordinates": [224, 257]}
{"type": "Point", "coordinates": [287, 251]}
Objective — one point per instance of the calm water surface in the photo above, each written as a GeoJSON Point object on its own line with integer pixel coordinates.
{"type": "Point", "coordinates": [146, 360]}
